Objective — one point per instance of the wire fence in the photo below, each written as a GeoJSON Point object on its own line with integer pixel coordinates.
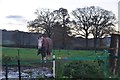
{"type": "Point", "coordinates": [60, 66]}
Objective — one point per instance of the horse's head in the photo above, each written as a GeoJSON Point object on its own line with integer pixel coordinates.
{"type": "Point", "coordinates": [40, 40]}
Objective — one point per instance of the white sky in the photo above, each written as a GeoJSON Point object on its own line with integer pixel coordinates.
{"type": "Point", "coordinates": [14, 14]}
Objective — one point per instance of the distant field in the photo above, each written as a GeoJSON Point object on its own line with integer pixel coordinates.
{"type": "Point", "coordinates": [28, 54]}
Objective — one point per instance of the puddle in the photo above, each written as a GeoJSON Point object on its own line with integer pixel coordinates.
{"type": "Point", "coordinates": [41, 72]}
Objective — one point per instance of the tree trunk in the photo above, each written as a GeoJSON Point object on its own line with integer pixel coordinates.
{"type": "Point", "coordinates": [100, 42]}
{"type": "Point", "coordinates": [86, 39]}
{"type": "Point", "coordinates": [48, 33]}
{"type": "Point", "coordinates": [63, 41]}
{"type": "Point", "coordinates": [95, 44]}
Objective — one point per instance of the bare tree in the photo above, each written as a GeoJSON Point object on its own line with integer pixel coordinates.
{"type": "Point", "coordinates": [82, 22]}
{"type": "Point", "coordinates": [103, 22]}
{"type": "Point", "coordinates": [44, 22]}
{"type": "Point", "coordinates": [63, 19]}
{"type": "Point", "coordinates": [93, 20]}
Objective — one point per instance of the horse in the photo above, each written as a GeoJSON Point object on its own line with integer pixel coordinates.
{"type": "Point", "coordinates": [45, 45]}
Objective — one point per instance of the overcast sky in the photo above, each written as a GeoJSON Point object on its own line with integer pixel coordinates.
{"type": "Point", "coordinates": [14, 14]}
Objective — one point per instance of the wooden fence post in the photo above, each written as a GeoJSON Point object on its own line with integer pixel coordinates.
{"type": "Point", "coordinates": [54, 66]}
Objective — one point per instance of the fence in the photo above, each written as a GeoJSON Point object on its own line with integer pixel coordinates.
{"type": "Point", "coordinates": [19, 39]}
{"type": "Point", "coordinates": [59, 62]}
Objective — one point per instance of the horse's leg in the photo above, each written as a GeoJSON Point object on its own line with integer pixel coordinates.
{"type": "Point", "coordinates": [48, 54]}
{"type": "Point", "coordinates": [42, 60]}
{"type": "Point", "coordinates": [45, 59]}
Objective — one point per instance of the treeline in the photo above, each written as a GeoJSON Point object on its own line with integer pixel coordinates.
{"type": "Point", "coordinates": [84, 22]}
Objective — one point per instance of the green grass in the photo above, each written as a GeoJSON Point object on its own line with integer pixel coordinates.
{"type": "Point", "coordinates": [27, 54]}
{"type": "Point", "coordinates": [76, 53]}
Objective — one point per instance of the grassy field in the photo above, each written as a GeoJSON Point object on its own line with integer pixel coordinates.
{"type": "Point", "coordinates": [27, 54]}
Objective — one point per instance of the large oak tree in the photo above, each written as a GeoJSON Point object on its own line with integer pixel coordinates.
{"type": "Point", "coordinates": [94, 20]}
{"type": "Point", "coordinates": [44, 22]}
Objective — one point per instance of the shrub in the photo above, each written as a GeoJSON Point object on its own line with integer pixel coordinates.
{"type": "Point", "coordinates": [82, 69]}
{"type": "Point", "coordinates": [7, 59]}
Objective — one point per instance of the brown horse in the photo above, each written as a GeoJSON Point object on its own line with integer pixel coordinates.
{"type": "Point", "coordinates": [45, 45]}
